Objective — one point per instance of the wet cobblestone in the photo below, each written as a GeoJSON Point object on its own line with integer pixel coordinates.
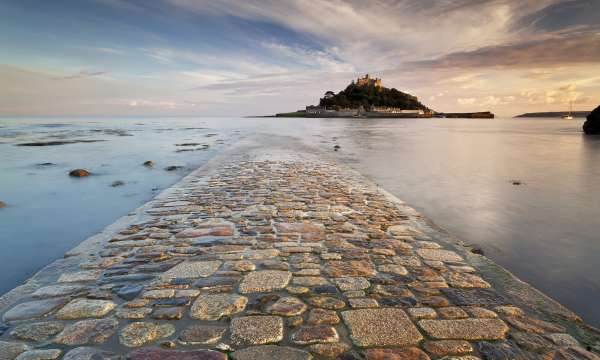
{"type": "Point", "coordinates": [274, 259]}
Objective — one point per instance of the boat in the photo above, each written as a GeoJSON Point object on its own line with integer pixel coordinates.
{"type": "Point", "coordinates": [569, 116]}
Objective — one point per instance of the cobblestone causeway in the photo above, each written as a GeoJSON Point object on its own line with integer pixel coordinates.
{"type": "Point", "coordinates": [293, 258]}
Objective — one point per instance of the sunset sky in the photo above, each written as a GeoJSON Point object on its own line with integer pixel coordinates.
{"type": "Point", "coordinates": [252, 57]}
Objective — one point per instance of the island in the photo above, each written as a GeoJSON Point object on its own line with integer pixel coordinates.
{"type": "Point", "coordinates": [368, 98]}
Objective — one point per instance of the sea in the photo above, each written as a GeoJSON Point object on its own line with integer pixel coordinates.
{"type": "Point", "coordinates": [525, 191]}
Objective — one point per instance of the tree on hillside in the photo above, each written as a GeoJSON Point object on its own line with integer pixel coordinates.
{"type": "Point", "coordinates": [354, 96]}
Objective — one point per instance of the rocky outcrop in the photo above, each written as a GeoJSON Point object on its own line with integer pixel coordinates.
{"type": "Point", "coordinates": [592, 125]}
{"type": "Point", "coordinates": [2, 205]}
{"type": "Point", "coordinates": [79, 173]}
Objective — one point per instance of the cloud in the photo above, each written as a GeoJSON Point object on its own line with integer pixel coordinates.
{"type": "Point", "coordinates": [557, 50]}
{"type": "Point", "coordinates": [563, 15]}
{"type": "Point", "coordinates": [562, 95]}
{"type": "Point", "coordinates": [322, 60]}
{"type": "Point", "coordinates": [80, 75]}
{"type": "Point", "coordinates": [381, 34]}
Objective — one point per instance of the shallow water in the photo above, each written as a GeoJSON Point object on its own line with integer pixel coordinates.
{"type": "Point", "coordinates": [457, 172]}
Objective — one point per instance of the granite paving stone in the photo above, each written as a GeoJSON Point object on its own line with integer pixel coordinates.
{"type": "Point", "coordinates": [10, 350]}
{"type": "Point", "coordinates": [265, 281]}
{"type": "Point", "coordinates": [89, 353]}
{"type": "Point", "coordinates": [215, 306]}
{"type": "Point", "coordinates": [202, 334]}
{"type": "Point", "coordinates": [33, 309]}
{"type": "Point", "coordinates": [93, 331]}
{"type": "Point", "coordinates": [466, 329]}
{"type": "Point", "coordinates": [381, 327]}
{"type": "Point", "coordinates": [315, 334]}
{"type": "Point", "coordinates": [257, 330]}
{"type": "Point", "coordinates": [85, 308]}
{"type": "Point", "coordinates": [141, 333]}
{"type": "Point", "coordinates": [40, 331]}
{"type": "Point", "coordinates": [193, 269]}
{"type": "Point", "coordinates": [271, 352]}
{"type": "Point", "coordinates": [46, 354]}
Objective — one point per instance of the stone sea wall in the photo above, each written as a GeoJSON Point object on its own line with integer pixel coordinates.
{"type": "Point", "coordinates": [274, 251]}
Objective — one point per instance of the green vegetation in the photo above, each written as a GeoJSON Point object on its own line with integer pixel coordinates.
{"type": "Point", "coordinates": [355, 95]}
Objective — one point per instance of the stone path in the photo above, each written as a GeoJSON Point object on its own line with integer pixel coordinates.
{"type": "Point", "coordinates": [277, 259]}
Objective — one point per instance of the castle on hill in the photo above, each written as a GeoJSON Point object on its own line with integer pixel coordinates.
{"type": "Point", "coordinates": [368, 81]}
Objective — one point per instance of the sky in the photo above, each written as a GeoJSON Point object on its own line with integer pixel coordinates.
{"type": "Point", "coordinates": [258, 57]}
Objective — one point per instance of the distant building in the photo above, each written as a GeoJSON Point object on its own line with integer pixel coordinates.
{"type": "Point", "coordinates": [323, 111]}
{"type": "Point", "coordinates": [368, 81]}
{"type": "Point", "coordinates": [395, 110]}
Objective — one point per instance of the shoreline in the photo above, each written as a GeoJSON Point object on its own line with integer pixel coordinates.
{"type": "Point", "coordinates": [505, 283]}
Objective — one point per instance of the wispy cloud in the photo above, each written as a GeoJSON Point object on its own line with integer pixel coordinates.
{"type": "Point", "coordinates": [80, 75]}
{"type": "Point", "coordinates": [556, 50]}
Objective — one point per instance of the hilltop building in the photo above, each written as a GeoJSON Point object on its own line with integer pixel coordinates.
{"type": "Point", "coordinates": [367, 80]}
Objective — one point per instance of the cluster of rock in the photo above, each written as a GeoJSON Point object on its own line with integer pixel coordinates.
{"type": "Point", "coordinates": [592, 124]}
{"type": "Point", "coordinates": [276, 260]}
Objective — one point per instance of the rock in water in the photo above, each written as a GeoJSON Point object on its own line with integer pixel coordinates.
{"type": "Point", "coordinates": [592, 125]}
{"type": "Point", "coordinates": [117, 183]}
{"type": "Point", "coordinates": [79, 173]}
{"type": "Point", "coordinates": [149, 163]}
{"type": "Point", "coordinates": [173, 168]}
{"type": "Point", "coordinates": [2, 205]}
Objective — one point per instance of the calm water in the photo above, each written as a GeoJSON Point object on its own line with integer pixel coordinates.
{"type": "Point", "coordinates": [457, 172]}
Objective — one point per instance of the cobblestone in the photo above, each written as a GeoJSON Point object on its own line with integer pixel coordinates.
{"type": "Point", "coordinates": [289, 258]}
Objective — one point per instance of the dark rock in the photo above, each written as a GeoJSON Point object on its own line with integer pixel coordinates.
{"type": "Point", "coordinates": [149, 163]}
{"type": "Point", "coordinates": [117, 183]}
{"type": "Point", "coordinates": [173, 168]}
{"type": "Point", "coordinates": [54, 143]}
{"type": "Point", "coordinates": [79, 173]}
{"type": "Point", "coordinates": [403, 301]}
{"type": "Point", "coordinates": [129, 292]}
{"type": "Point", "coordinates": [474, 297]}
{"type": "Point", "coordinates": [2, 205]}
{"type": "Point", "coordinates": [188, 144]}
{"type": "Point", "coordinates": [325, 289]}
{"type": "Point", "coordinates": [477, 250]}
{"type": "Point", "coordinates": [126, 278]}
{"type": "Point", "coordinates": [504, 350]}
{"type": "Point", "coordinates": [592, 124]}
{"type": "Point", "coordinates": [215, 281]}
{"type": "Point", "coordinates": [162, 354]}
{"type": "Point", "coordinates": [172, 302]}
{"type": "Point", "coordinates": [336, 148]}
{"type": "Point", "coordinates": [45, 164]}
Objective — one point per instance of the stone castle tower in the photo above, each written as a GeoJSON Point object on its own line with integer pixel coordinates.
{"type": "Point", "coordinates": [368, 81]}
